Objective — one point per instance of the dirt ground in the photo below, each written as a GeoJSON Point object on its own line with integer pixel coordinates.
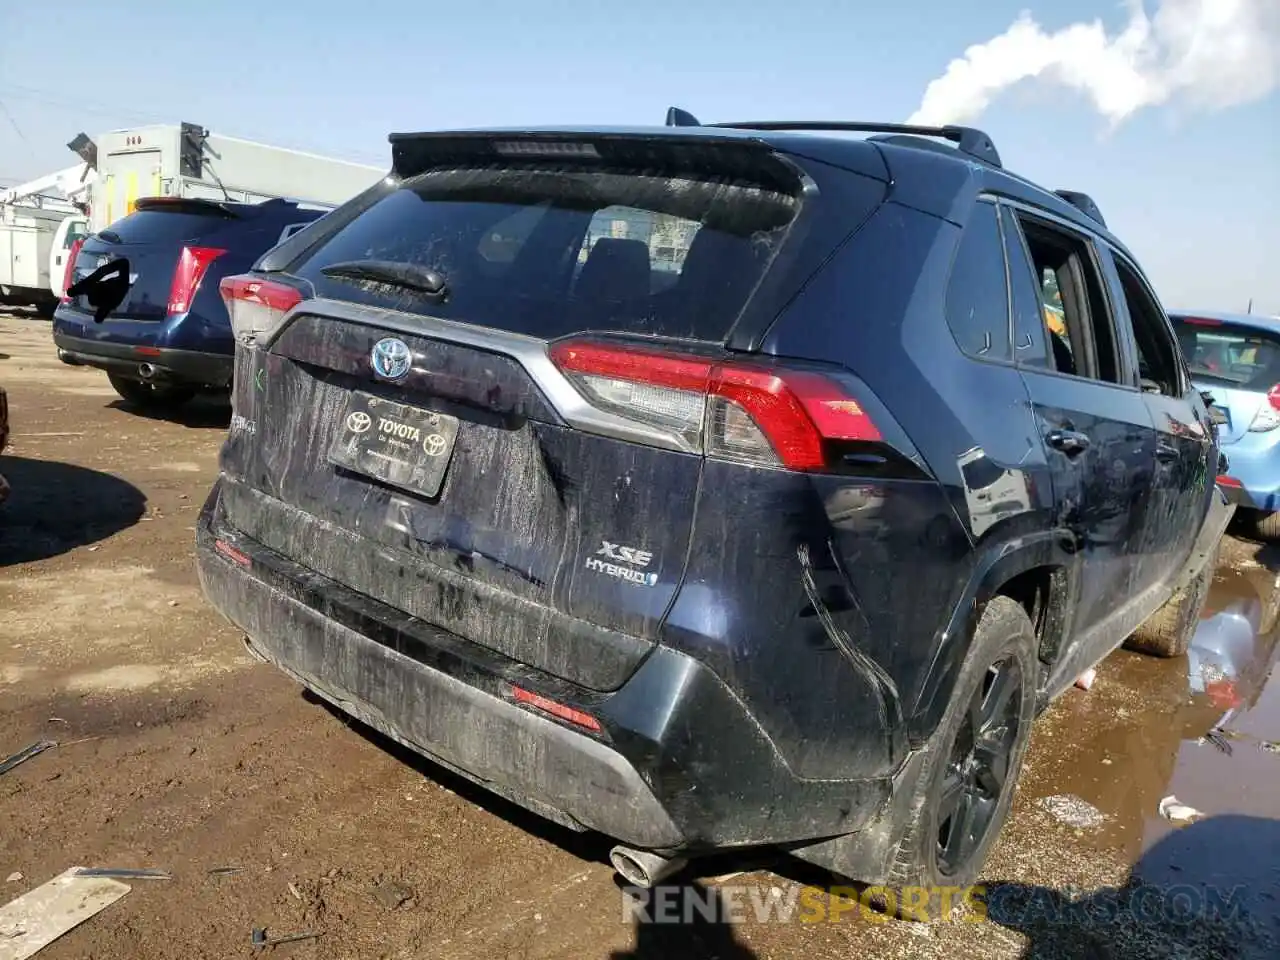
{"type": "Point", "coordinates": [178, 751]}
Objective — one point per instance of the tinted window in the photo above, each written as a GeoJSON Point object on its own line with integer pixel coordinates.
{"type": "Point", "coordinates": [161, 226]}
{"type": "Point", "coordinates": [549, 251]}
{"type": "Point", "coordinates": [978, 292]}
{"type": "Point", "coordinates": [1029, 318]}
{"type": "Point", "coordinates": [1157, 353]}
{"type": "Point", "coordinates": [1229, 353]}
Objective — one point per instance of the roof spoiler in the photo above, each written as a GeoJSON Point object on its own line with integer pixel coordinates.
{"type": "Point", "coordinates": [968, 140]}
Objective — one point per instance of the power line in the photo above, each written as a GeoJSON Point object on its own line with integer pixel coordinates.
{"type": "Point", "coordinates": [16, 129]}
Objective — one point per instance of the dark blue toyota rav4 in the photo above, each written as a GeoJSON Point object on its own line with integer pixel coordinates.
{"type": "Point", "coordinates": [164, 335]}
{"type": "Point", "coordinates": [712, 486]}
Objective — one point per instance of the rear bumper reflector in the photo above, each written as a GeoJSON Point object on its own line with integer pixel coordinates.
{"type": "Point", "coordinates": [557, 710]}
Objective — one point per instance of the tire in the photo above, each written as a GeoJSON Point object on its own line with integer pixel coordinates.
{"type": "Point", "coordinates": [1003, 651]}
{"type": "Point", "coordinates": [1168, 632]}
{"type": "Point", "coordinates": [153, 396]}
{"type": "Point", "coordinates": [1264, 525]}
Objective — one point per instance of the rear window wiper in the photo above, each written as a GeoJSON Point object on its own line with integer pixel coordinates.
{"type": "Point", "coordinates": [110, 236]}
{"type": "Point", "coordinates": [409, 276]}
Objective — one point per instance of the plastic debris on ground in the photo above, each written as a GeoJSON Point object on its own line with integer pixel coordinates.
{"type": "Point", "coordinates": [1175, 811]}
{"type": "Point", "coordinates": [40, 916]}
{"type": "Point", "coordinates": [1073, 811]}
{"type": "Point", "coordinates": [1085, 680]}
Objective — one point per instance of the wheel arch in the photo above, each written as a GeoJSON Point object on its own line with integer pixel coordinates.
{"type": "Point", "coordinates": [1034, 570]}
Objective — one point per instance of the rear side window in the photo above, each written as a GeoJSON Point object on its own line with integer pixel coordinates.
{"type": "Point", "coordinates": [1234, 355]}
{"type": "Point", "coordinates": [1029, 316]}
{"type": "Point", "coordinates": [547, 251]}
{"type": "Point", "coordinates": [161, 226]}
{"type": "Point", "coordinates": [978, 292]}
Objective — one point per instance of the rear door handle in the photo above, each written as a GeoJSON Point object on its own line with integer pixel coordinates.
{"type": "Point", "coordinates": [1166, 453]}
{"type": "Point", "coordinates": [1068, 441]}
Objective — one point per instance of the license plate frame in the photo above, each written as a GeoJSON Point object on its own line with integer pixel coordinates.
{"type": "Point", "coordinates": [395, 443]}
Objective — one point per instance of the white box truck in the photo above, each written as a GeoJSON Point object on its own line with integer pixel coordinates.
{"type": "Point", "coordinates": [186, 160]}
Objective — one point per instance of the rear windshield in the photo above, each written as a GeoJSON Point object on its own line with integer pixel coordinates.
{"type": "Point", "coordinates": [548, 251]}
{"type": "Point", "coordinates": [157, 226]}
{"type": "Point", "coordinates": [1232, 354]}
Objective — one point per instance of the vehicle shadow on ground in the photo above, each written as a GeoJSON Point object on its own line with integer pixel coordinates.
{"type": "Point", "coordinates": [208, 412]}
{"type": "Point", "coordinates": [56, 507]}
{"type": "Point", "coordinates": [687, 921]}
{"type": "Point", "coordinates": [1210, 890]}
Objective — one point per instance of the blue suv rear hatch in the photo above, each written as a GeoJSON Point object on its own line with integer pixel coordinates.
{"type": "Point", "coordinates": [555, 337]}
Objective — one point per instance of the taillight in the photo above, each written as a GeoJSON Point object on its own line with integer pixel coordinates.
{"type": "Point", "coordinates": [1268, 415]}
{"type": "Point", "coordinates": [256, 306]}
{"type": "Point", "coordinates": [191, 269]}
{"type": "Point", "coordinates": [68, 274]}
{"type": "Point", "coordinates": [734, 410]}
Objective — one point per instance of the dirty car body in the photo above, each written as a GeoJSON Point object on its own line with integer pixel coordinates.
{"type": "Point", "coordinates": [656, 478]}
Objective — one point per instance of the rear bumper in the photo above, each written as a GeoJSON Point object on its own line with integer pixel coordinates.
{"type": "Point", "coordinates": [167, 364]}
{"type": "Point", "coordinates": [679, 764]}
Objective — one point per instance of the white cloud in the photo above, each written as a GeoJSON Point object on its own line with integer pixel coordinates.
{"type": "Point", "coordinates": [1206, 54]}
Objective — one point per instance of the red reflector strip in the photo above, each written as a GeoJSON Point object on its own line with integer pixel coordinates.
{"type": "Point", "coordinates": [1201, 321]}
{"type": "Point", "coordinates": [558, 710]}
{"type": "Point", "coordinates": [147, 351]}
{"type": "Point", "coordinates": [1225, 481]}
{"type": "Point", "coordinates": [231, 553]}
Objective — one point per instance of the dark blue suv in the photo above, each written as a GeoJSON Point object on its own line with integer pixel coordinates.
{"type": "Point", "coordinates": [712, 487]}
{"type": "Point", "coordinates": [164, 334]}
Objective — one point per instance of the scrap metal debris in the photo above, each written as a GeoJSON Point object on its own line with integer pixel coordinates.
{"type": "Point", "coordinates": [259, 937]}
{"type": "Point", "coordinates": [223, 871]}
{"type": "Point", "coordinates": [1219, 739]}
{"type": "Point", "coordinates": [1073, 811]}
{"type": "Point", "coordinates": [22, 756]}
{"type": "Point", "coordinates": [1085, 680]}
{"type": "Point", "coordinates": [125, 873]}
{"type": "Point", "coordinates": [40, 916]}
{"type": "Point", "coordinates": [13, 877]}
{"type": "Point", "coordinates": [1175, 811]}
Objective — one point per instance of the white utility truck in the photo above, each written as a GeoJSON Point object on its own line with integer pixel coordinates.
{"type": "Point", "coordinates": [186, 160]}
{"type": "Point", "coordinates": [34, 219]}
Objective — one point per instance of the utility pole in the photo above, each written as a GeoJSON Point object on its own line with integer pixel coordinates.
{"type": "Point", "coordinates": [1250, 310]}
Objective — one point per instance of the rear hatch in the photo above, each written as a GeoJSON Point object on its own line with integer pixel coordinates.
{"type": "Point", "coordinates": [1239, 364]}
{"type": "Point", "coordinates": [168, 244]}
{"type": "Point", "coordinates": [410, 435]}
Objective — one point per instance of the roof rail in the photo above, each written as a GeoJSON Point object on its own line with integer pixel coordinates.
{"type": "Point", "coordinates": [968, 140]}
{"type": "Point", "coordinates": [1084, 203]}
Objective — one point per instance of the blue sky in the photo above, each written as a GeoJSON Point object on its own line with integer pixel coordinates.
{"type": "Point", "coordinates": [1195, 194]}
